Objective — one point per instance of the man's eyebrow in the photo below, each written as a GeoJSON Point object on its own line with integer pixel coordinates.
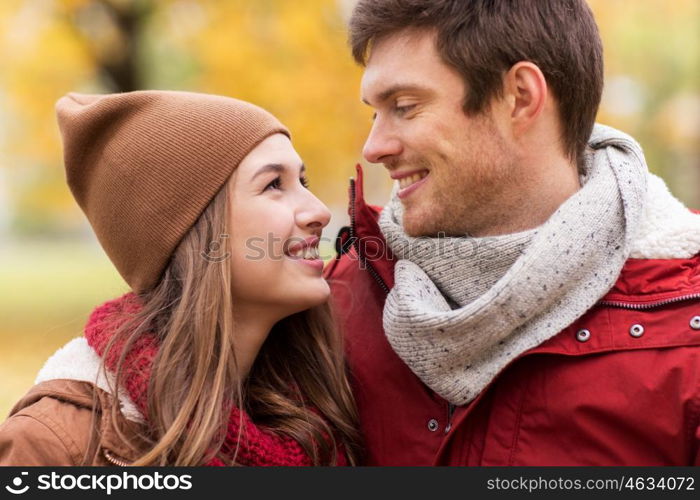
{"type": "Point", "coordinates": [395, 89]}
{"type": "Point", "coordinates": [278, 168]}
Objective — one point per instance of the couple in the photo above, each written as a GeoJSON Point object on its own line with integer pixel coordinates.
{"type": "Point", "coordinates": [530, 295]}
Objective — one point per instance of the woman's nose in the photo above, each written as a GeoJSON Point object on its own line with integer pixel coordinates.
{"type": "Point", "coordinates": [314, 214]}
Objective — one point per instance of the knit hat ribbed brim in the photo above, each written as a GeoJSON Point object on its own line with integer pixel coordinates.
{"type": "Point", "coordinates": [144, 165]}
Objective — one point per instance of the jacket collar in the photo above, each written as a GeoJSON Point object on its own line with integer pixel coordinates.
{"type": "Point", "coordinates": [78, 361]}
{"type": "Point", "coordinates": [73, 374]}
{"type": "Point", "coordinates": [365, 237]}
{"type": "Point", "coordinates": [86, 395]}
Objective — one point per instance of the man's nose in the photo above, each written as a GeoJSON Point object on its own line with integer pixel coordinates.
{"type": "Point", "coordinates": [381, 143]}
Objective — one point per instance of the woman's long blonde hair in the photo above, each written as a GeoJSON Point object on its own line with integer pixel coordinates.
{"type": "Point", "coordinates": [297, 385]}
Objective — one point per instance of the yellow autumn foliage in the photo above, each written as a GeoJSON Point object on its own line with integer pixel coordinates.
{"type": "Point", "coordinates": [292, 58]}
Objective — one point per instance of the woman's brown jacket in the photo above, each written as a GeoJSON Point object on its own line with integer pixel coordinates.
{"type": "Point", "coordinates": [52, 424]}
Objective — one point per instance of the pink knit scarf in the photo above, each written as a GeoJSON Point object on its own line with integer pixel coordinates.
{"type": "Point", "coordinates": [258, 447]}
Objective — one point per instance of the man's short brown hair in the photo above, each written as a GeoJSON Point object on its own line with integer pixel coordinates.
{"type": "Point", "coordinates": [482, 39]}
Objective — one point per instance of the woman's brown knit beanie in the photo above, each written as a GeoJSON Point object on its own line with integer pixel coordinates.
{"type": "Point", "coordinates": [144, 165]}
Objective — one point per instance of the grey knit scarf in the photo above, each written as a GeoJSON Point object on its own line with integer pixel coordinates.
{"type": "Point", "coordinates": [462, 308]}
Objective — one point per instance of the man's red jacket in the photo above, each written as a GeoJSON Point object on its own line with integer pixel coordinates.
{"type": "Point", "coordinates": [594, 394]}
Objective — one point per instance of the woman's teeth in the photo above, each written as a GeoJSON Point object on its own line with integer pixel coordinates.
{"type": "Point", "coordinates": [308, 253]}
{"type": "Point", "coordinates": [411, 179]}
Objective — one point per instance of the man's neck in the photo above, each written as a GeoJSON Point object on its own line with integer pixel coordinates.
{"type": "Point", "coordinates": [536, 199]}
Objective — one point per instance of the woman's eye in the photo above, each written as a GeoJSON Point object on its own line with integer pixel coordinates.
{"type": "Point", "coordinates": [275, 184]}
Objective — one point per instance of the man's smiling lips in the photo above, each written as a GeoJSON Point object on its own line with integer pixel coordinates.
{"type": "Point", "coordinates": [409, 181]}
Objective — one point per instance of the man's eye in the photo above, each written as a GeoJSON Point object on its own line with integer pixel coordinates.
{"type": "Point", "coordinates": [402, 110]}
{"type": "Point", "coordinates": [275, 184]}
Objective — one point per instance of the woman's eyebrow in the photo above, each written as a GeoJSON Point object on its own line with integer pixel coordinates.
{"type": "Point", "coordinates": [271, 167]}
{"type": "Point", "coordinates": [277, 168]}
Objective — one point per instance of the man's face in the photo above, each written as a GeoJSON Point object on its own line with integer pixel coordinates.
{"type": "Point", "coordinates": [452, 168]}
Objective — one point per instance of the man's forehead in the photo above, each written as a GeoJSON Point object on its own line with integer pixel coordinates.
{"type": "Point", "coordinates": [398, 62]}
{"type": "Point", "coordinates": [400, 46]}
{"type": "Point", "coordinates": [407, 38]}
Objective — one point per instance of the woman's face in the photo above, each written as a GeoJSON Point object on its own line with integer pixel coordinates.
{"type": "Point", "coordinates": [276, 224]}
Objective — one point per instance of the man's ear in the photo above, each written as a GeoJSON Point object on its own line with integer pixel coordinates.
{"type": "Point", "coordinates": [525, 91]}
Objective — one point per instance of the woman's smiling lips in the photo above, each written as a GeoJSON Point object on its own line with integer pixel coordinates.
{"type": "Point", "coordinates": [306, 252]}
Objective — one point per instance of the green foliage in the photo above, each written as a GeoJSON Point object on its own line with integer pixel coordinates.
{"type": "Point", "coordinates": [47, 290]}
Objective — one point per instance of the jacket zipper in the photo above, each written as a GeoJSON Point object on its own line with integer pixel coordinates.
{"type": "Point", "coordinates": [114, 460]}
{"type": "Point", "coordinates": [651, 305]}
{"type": "Point", "coordinates": [450, 411]}
{"type": "Point", "coordinates": [356, 244]}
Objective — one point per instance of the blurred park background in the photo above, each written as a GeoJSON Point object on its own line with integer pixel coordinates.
{"type": "Point", "coordinates": [288, 56]}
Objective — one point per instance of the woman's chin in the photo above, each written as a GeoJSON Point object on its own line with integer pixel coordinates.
{"type": "Point", "coordinates": [311, 295]}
